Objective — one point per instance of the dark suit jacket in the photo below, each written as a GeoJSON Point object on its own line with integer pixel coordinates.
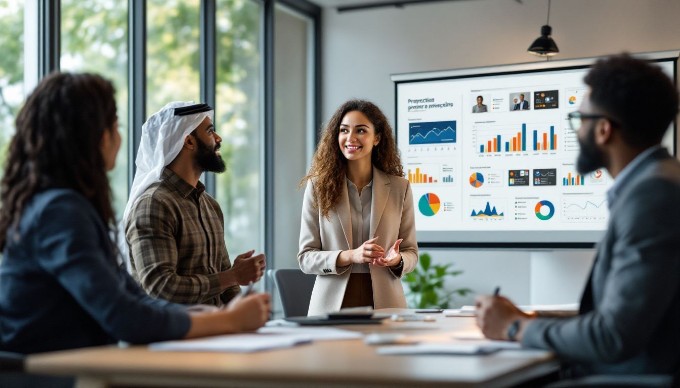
{"type": "Point", "coordinates": [629, 321]}
{"type": "Point", "coordinates": [523, 105]}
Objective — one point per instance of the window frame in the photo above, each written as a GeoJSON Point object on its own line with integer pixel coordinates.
{"type": "Point", "coordinates": [48, 58]}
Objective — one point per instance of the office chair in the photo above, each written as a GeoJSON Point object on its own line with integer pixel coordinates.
{"type": "Point", "coordinates": [295, 288]}
{"type": "Point", "coordinates": [13, 374]}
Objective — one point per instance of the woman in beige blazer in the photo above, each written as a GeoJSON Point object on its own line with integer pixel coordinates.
{"type": "Point", "coordinates": [358, 230]}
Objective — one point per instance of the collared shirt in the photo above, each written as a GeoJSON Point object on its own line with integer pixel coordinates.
{"type": "Point", "coordinates": [360, 211]}
{"type": "Point", "coordinates": [620, 180]}
{"type": "Point", "coordinates": [176, 239]}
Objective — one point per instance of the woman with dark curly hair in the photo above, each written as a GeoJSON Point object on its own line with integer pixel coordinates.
{"type": "Point", "coordinates": [61, 285]}
{"type": "Point", "coordinates": [356, 204]}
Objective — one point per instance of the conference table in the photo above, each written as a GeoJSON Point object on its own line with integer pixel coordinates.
{"type": "Point", "coordinates": [332, 363]}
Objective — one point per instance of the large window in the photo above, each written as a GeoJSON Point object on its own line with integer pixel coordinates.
{"type": "Point", "coordinates": [94, 39]}
{"type": "Point", "coordinates": [172, 47]}
{"type": "Point", "coordinates": [12, 91]}
{"type": "Point", "coordinates": [237, 117]}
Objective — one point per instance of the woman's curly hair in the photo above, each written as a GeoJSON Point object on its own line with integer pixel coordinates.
{"type": "Point", "coordinates": [57, 145]}
{"type": "Point", "coordinates": [329, 166]}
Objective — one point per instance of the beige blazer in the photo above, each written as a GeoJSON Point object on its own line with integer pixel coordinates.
{"type": "Point", "coordinates": [322, 239]}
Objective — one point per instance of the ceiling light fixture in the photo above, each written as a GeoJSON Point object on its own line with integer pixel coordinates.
{"type": "Point", "coordinates": [544, 45]}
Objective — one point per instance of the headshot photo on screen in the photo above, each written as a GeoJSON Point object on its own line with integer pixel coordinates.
{"type": "Point", "coordinates": [479, 106]}
{"type": "Point", "coordinates": [519, 101]}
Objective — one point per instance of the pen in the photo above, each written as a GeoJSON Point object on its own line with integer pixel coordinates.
{"type": "Point", "coordinates": [248, 290]}
{"type": "Point", "coordinates": [496, 291]}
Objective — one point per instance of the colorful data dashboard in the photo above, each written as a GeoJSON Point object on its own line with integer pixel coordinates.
{"type": "Point", "coordinates": [491, 157]}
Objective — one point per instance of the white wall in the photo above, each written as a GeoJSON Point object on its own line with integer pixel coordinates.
{"type": "Point", "coordinates": [290, 111]}
{"type": "Point", "coordinates": [361, 50]}
{"type": "Point", "coordinates": [291, 132]}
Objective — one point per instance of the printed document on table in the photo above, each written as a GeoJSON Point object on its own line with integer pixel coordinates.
{"type": "Point", "coordinates": [435, 348]}
{"type": "Point", "coordinates": [467, 347]}
{"type": "Point", "coordinates": [540, 308]}
{"type": "Point", "coordinates": [312, 333]}
{"type": "Point", "coordinates": [238, 343]}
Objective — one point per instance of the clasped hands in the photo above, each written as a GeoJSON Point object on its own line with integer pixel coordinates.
{"type": "Point", "coordinates": [372, 253]}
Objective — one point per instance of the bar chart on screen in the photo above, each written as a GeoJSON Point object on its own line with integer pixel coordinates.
{"type": "Point", "coordinates": [430, 173]}
{"type": "Point", "coordinates": [535, 137]}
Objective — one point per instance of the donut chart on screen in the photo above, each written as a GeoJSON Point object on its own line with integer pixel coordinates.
{"type": "Point", "coordinates": [551, 210]}
{"type": "Point", "coordinates": [476, 179]}
{"type": "Point", "coordinates": [429, 204]}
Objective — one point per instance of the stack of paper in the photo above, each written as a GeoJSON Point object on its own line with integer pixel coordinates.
{"type": "Point", "coordinates": [558, 309]}
{"type": "Point", "coordinates": [241, 343]}
{"type": "Point", "coordinates": [453, 348]}
{"type": "Point", "coordinates": [266, 338]}
{"type": "Point", "coordinates": [312, 333]}
{"type": "Point", "coordinates": [465, 311]}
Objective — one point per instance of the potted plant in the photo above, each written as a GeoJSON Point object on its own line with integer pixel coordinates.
{"type": "Point", "coordinates": [426, 284]}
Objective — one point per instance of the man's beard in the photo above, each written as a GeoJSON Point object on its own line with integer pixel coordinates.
{"type": "Point", "coordinates": [590, 158]}
{"type": "Point", "coordinates": [207, 158]}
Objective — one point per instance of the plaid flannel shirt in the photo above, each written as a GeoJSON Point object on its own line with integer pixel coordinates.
{"type": "Point", "coordinates": [176, 238]}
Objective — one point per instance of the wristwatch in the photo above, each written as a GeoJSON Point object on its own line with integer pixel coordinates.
{"type": "Point", "coordinates": [513, 329]}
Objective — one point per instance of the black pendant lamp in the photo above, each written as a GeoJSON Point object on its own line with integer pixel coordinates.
{"type": "Point", "coordinates": [544, 45]}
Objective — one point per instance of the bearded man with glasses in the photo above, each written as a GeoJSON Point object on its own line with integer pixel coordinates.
{"type": "Point", "coordinates": [629, 315]}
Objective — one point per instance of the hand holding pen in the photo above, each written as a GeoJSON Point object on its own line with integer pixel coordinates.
{"type": "Point", "coordinates": [251, 308]}
{"type": "Point", "coordinates": [247, 290]}
{"type": "Point", "coordinates": [495, 314]}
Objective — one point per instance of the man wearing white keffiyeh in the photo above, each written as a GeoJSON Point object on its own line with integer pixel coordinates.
{"type": "Point", "coordinates": [173, 230]}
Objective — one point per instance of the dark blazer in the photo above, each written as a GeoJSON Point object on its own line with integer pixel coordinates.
{"type": "Point", "coordinates": [61, 286]}
{"type": "Point", "coordinates": [629, 321]}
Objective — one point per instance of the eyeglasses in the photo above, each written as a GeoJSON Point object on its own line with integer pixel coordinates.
{"type": "Point", "coordinates": [576, 118]}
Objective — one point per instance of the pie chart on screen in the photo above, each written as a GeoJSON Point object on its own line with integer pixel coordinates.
{"type": "Point", "coordinates": [429, 204]}
{"type": "Point", "coordinates": [476, 179]}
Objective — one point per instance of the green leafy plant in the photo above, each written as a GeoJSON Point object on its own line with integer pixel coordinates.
{"type": "Point", "coordinates": [426, 284]}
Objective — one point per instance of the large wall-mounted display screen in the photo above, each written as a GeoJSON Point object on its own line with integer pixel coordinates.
{"type": "Point", "coordinates": [491, 158]}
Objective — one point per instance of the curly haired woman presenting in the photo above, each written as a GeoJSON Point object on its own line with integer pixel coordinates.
{"type": "Point", "coordinates": [358, 230]}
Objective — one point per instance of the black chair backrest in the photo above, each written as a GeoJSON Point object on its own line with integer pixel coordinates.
{"type": "Point", "coordinates": [11, 362]}
{"type": "Point", "coordinates": [295, 288]}
{"type": "Point", "coordinates": [13, 374]}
